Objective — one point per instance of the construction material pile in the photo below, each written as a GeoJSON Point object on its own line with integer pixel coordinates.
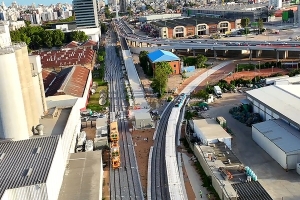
{"type": "Point", "coordinates": [243, 115]}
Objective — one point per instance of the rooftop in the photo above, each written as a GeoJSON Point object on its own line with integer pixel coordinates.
{"type": "Point", "coordinates": [65, 57]}
{"type": "Point", "coordinates": [281, 134]}
{"type": "Point", "coordinates": [283, 99]}
{"type": "Point", "coordinates": [48, 77]}
{"type": "Point", "coordinates": [82, 177]}
{"type": "Point", "coordinates": [134, 80]}
{"type": "Point", "coordinates": [72, 45]}
{"type": "Point", "coordinates": [211, 129]}
{"type": "Point", "coordinates": [162, 56]}
{"type": "Point", "coordinates": [71, 81]}
{"type": "Point", "coordinates": [26, 162]}
{"type": "Point", "coordinates": [187, 21]}
{"type": "Point", "coordinates": [55, 125]}
{"type": "Point", "coordinates": [251, 191]}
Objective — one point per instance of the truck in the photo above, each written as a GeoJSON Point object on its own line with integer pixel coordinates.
{"type": "Point", "coordinates": [218, 91]}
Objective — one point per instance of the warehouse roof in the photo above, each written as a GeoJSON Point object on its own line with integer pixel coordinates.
{"type": "Point", "coordinates": [82, 176]}
{"type": "Point", "coordinates": [26, 162]}
{"type": "Point", "coordinates": [162, 56]}
{"type": "Point", "coordinates": [281, 134]}
{"type": "Point", "coordinates": [283, 99]}
{"type": "Point", "coordinates": [211, 129]}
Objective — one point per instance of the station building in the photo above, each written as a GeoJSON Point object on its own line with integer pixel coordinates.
{"type": "Point", "coordinates": [165, 56]}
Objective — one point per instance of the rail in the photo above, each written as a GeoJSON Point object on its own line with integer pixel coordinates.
{"type": "Point", "coordinates": [149, 174]}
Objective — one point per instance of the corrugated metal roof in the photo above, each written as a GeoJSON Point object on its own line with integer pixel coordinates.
{"type": "Point", "coordinates": [281, 134]}
{"type": "Point", "coordinates": [161, 56]}
{"type": "Point", "coordinates": [281, 99]}
{"type": "Point", "coordinates": [19, 156]}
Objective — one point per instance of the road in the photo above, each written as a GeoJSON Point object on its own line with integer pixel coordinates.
{"type": "Point", "coordinates": [125, 181]}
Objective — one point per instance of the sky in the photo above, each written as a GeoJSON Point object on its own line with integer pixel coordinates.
{"type": "Point", "coordinates": [26, 2]}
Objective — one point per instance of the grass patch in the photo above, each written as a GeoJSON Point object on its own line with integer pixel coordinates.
{"type": "Point", "coordinates": [94, 100]}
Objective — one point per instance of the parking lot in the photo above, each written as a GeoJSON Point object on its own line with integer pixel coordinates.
{"type": "Point", "coordinates": [278, 183]}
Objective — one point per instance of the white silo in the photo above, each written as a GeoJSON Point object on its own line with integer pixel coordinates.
{"type": "Point", "coordinates": [12, 112]}
{"type": "Point", "coordinates": [28, 86]}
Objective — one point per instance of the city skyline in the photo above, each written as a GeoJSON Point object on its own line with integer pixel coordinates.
{"type": "Point", "coordinates": [47, 3]}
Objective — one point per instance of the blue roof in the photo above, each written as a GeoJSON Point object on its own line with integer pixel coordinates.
{"type": "Point", "coordinates": [162, 56]}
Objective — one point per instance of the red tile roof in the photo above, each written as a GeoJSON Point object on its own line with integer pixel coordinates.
{"type": "Point", "coordinates": [66, 57]}
{"type": "Point", "coordinates": [89, 43]}
{"type": "Point", "coordinates": [70, 81]}
{"type": "Point", "coordinates": [72, 45]}
{"type": "Point", "coordinates": [48, 77]}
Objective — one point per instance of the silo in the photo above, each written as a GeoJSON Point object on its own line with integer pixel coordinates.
{"type": "Point", "coordinates": [30, 87]}
{"type": "Point", "coordinates": [12, 112]}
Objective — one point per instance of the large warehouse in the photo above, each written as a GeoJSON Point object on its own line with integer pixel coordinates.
{"type": "Point", "coordinates": [274, 102]}
{"type": "Point", "coordinates": [279, 140]}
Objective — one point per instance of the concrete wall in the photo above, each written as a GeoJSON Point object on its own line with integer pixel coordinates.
{"type": "Point", "coordinates": [217, 184]}
{"type": "Point", "coordinates": [56, 173]}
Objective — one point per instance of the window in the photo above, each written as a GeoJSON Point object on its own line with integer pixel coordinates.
{"type": "Point", "coordinates": [175, 71]}
{"type": "Point", "coordinates": [174, 66]}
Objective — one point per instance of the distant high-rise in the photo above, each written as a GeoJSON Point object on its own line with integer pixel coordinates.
{"type": "Point", "coordinates": [123, 6]}
{"type": "Point", "coordinates": [86, 13]}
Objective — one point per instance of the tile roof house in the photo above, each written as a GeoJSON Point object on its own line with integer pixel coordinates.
{"type": "Point", "coordinates": [165, 56]}
{"type": "Point", "coordinates": [56, 60]}
{"type": "Point", "coordinates": [70, 81]}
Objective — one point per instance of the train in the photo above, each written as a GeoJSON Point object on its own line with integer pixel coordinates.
{"type": "Point", "coordinates": [114, 145]}
{"type": "Point", "coordinates": [180, 101]}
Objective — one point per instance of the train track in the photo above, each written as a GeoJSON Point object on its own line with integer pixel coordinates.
{"type": "Point", "coordinates": [159, 180]}
{"type": "Point", "coordinates": [124, 182]}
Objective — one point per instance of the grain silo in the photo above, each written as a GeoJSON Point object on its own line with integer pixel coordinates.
{"type": "Point", "coordinates": [28, 87]}
{"type": "Point", "coordinates": [12, 112]}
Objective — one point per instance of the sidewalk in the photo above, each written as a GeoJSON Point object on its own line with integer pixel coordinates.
{"type": "Point", "coordinates": [194, 178]}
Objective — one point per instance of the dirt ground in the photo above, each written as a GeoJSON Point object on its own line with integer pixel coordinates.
{"type": "Point", "coordinates": [90, 129]}
{"type": "Point", "coordinates": [142, 149]}
{"type": "Point", "coordinates": [252, 74]}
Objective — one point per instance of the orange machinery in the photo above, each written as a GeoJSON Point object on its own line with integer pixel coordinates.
{"type": "Point", "coordinates": [114, 146]}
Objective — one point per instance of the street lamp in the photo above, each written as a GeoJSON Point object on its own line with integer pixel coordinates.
{"type": "Point", "coordinates": [259, 65]}
{"type": "Point", "coordinates": [237, 67]}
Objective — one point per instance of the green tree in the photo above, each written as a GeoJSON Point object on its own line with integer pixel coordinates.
{"type": "Point", "coordinates": [260, 24]}
{"type": "Point", "coordinates": [36, 42]}
{"type": "Point", "coordinates": [143, 57]}
{"type": "Point", "coordinates": [202, 94]}
{"type": "Point", "coordinates": [161, 74]}
{"type": "Point", "coordinates": [58, 37]}
{"type": "Point", "coordinates": [47, 38]}
{"type": "Point", "coordinates": [200, 61]}
{"type": "Point", "coordinates": [100, 58]}
{"type": "Point", "coordinates": [245, 23]}
{"type": "Point", "coordinates": [103, 28]}
{"type": "Point", "coordinates": [78, 36]}
{"type": "Point", "coordinates": [25, 38]}
{"type": "Point", "coordinates": [107, 13]}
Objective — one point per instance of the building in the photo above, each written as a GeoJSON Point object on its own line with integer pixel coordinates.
{"type": "Point", "coordinates": [56, 60]}
{"type": "Point", "coordinates": [38, 168]}
{"type": "Point", "coordinates": [123, 6]}
{"type": "Point", "coordinates": [143, 120]}
{"type": "Point", "coordinates": [86, 13]}
{"type": "Point", "coordinates": [21, 89]}
{"type": "Point", "coordinates": [185, 27]}
{"type": "Point", "coordinates": [74, 81]}
{"type": "Point", "coordinates": [279, 140]}
{"type": "Point", "coordinates": [208, 131]}
{"type": "Point", "coordinates": [147, 18]}
{"type": "Point", "coordinates": [274, 102]}
{"type": "Point", "coordinates": [232, 11]}
{"type": "Point", "coordinates": [165, 56]}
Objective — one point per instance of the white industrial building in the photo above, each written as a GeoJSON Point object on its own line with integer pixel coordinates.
{"type": "Point", "coordinates": [274, 102]}
{"type": "Point", "coordinates": [143, 120]}
{"type": "Point", "coordinates": [32, 169]}
{"type": "Point", "coordinates": [210, 132]}
{"type": "Point", "coordinates": [283, 80]}
{"type": "Point", "coordinates": [279, 140]}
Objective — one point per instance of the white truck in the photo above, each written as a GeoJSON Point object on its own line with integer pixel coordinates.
{"type": "Point", "coordinates": [218, 91]}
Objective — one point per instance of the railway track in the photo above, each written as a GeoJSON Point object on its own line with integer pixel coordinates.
{"type": "Point", "coordinates": [159, 181]}
{"type": "Point", "coordinates": [124, 182]}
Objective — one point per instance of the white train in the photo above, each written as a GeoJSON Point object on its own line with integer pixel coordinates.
{"type": "Point", "coordinates": [174, 182]}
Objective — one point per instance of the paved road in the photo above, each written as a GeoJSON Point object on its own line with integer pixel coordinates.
{"type": "Point", "coordinates": [125, 181]}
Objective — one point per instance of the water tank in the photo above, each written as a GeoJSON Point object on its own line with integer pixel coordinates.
{"type": "Point", "coordinates": [13, 123]}
{"type": "Point", "coordinates": [40, 129]}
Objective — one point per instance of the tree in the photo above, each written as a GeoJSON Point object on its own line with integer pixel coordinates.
{"type": "Point", "coordinates": [103, 28]}
{"type": "Point", "coordinates": [47, 38]}
{"type": "Point", "coordinates": [100, 58]}
{"type": "Point", "coordinates": [202, 94]}
{"type": "Point", "coordinates": [58, 37]}
{"type": "Point", "coordinates": [244, 23]}
{"type": "Point", "coordinates": [260, 25]}
{"type": "Point", "coordinates": [161, 74]}
{"type": "Point", "coordinates": [78, 36]}
{"type": "Point", "coordinates": [200, 61]}
{"type": "Point", "coordinates": [143, 57]}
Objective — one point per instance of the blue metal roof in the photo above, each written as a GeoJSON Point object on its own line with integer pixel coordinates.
{"type": "Point", "coordinates": [162, 56]}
